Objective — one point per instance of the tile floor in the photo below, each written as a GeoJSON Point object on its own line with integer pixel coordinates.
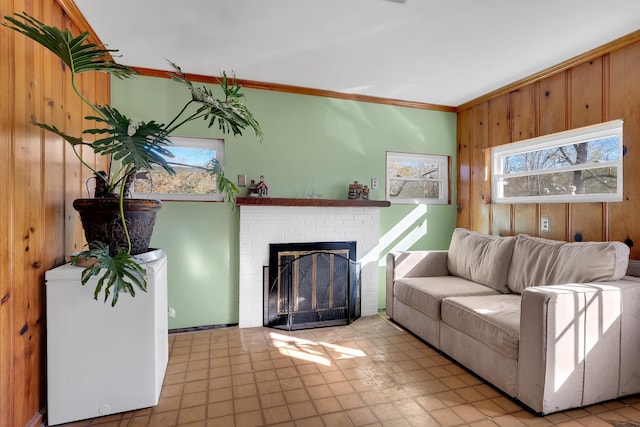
{"type": "Point", "coordinates": [370, 373]}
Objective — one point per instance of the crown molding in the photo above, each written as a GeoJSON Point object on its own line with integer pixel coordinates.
{"type": "Point", "coordinates": [277, 87]}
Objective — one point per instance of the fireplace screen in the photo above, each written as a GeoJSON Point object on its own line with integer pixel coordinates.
{"type": "Point", "coordinates": [311, 285]}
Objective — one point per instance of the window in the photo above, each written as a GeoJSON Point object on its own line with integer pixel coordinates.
{"type": "Point", "coordinates": [581, 165]}
{"type": "Point", "coordinates": [417, 178]}
{"type": "Point", "coordinates": [191, 181]}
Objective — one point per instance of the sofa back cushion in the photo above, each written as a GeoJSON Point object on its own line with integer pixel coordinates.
{"type": "Point", "coordinates": [481, 258]}
{"type": "Point", "coordinates": [540, 262]}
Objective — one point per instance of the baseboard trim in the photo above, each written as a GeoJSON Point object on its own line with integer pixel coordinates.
{"type": "Point", "coordinates": [200, 328]}
{"type": "Point", "coordinates": [37, 420]}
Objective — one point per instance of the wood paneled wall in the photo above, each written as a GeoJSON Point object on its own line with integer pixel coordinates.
{"type": "Point", "coordinates": [602, 88]}
{"type": "Point", "coordinates": [39, 179]}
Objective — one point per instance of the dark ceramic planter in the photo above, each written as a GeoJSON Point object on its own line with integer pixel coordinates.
{"type": "Point", "coordinates": [101, 222]}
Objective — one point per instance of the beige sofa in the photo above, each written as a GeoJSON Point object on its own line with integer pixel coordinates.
{"type": "Point", "coordinates": [555, 325]}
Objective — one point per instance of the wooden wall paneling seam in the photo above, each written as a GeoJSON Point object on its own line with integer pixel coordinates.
{"type": "Point", "coordinates": [103, 82]}
{"type": "Point", "coordinates": [512, 219]}
{"type": "Point", "coordinates": [489, 144]}
{"type": "Point", "coordinates": [88, 89]}
{"type": "Point", "coordinates": [73, 168]}
{"type": "Point", "coordinates": [35, 335]}
{"type": "Point", "coordinates": [606, 90]}
{"type": "Point", "coordinates": [7, 283]}
{"type": "Point", "coordinates": [463, 165]}
{"type": "Point", "coordinates": [587, 92]}
{"type": "Point", "coordinates": [53, 187]}
{"type": "Point", "coordinates": [478, 132]}
{"type": "Point", "coordinates": [523, 126]}
{"type": "Point", "coordinates": [67, 156]}
{"type": "Point", "coordinates": [28, 225]}
{"type": "Point", "coordinates": [606, 116]}
{"type": "Point", "coordinates": [569, 108]}
{"type": "Point", "coordinates": [18, 363]}
{"type": "Point", "coordinates": [551, 117]}
{"type": "Point", "coordinates": [37, 305]}
{"type": "Point", "coordinates": [606, 214]}
{"type": "Point", "coordinates": [53, 176]}
{"type": "Point", "coordinates": [568, 228]}
{"type": "Point", "coordinates": [39, 253]}
{"type": "Point", "coordinates": [500, 133]}
{"type": "Point", "coordinates": [537, 89]}
{"type": "Point", "coordinates": [484, 185]}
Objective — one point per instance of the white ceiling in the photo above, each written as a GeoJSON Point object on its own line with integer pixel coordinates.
{"type": "Point", "coordinates": [444, 52]}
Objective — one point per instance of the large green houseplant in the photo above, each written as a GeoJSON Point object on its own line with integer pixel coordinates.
{"type": "Point", "coordinates": [132, 146]}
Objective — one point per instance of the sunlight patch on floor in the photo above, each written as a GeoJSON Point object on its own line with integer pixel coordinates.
{"type": "Point", "coordinates": [312, 351]}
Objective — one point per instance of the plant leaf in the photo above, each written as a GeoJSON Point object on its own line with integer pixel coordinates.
{"type": "Point", "coordinates": [231, 114]}
{"type": "Point", "coordinates": [73, 140]}
{"type": "Point", "coordinates": [143, 149]}
{"type": "Point", "coordinates": [227, 188]}
{"type": "Point", "coordinates": [116, 273]}
{"type": "Point", "coordinates": [79, 54]}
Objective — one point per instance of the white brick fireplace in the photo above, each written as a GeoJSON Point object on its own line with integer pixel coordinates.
{"type": "Point", "coordinates": [262, 224]}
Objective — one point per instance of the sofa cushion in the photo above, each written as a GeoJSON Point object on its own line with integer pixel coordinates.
{"type": "Point", "coordinates": [491, 320]}
{"type": "Point", "coordinates": [426, 293]}
{"type": "Point", "coordinates": [481, 258]}
{"type": "Point", "coordinates": [540, 262]}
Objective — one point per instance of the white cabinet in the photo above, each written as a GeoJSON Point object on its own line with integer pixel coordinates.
{"type": "Point", "coordinates": [101, 359]}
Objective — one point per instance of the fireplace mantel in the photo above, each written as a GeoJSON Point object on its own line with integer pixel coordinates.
{"type": "Point", "coordinates": [282, 201]}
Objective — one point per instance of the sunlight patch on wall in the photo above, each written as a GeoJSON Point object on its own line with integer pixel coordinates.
{"type": "Point", "coordinates": [415, 221]}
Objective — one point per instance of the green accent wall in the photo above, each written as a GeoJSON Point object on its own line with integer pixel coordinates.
{"type": "Point", "coordinates": [307, 139]}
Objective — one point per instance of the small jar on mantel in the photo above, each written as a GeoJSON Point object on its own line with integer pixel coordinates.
{"type": "Point", "coordinates": [355, 191]}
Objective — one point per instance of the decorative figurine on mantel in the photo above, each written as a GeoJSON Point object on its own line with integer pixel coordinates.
{"type": "Point", "coordinates": [262, 188]}
{"type": "Point", "coordinates": [259, 189]}
{"type": "Point", "coordinates": [365, 192]}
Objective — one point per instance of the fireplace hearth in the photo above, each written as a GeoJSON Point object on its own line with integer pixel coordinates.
{"type": "Point", "coordinates": [311, 285]}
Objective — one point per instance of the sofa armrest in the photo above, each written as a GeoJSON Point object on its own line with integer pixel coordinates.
{"type": "Point", "coordinates": [569, 352]}
{"type": "Point", "coordinates": [413, 264]}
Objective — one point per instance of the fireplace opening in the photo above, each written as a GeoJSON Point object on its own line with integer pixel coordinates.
{"type": "Point", "coordinates": [311, 285]}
